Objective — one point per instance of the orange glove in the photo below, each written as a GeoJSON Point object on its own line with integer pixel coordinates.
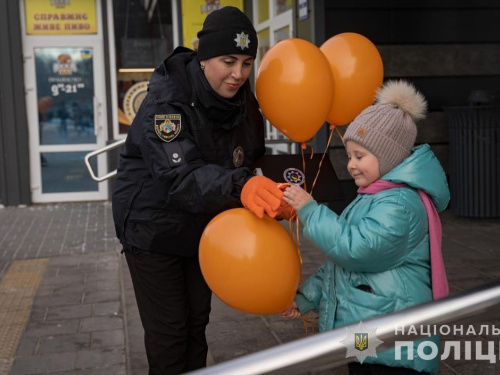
{"type": "Point", "coordinates": [285, 211]}
{"type": "Point", "coordinates": [260, 194]}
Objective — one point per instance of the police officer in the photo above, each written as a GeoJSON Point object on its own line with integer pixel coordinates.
{"type": "Point", "coordinates": [187, 158]}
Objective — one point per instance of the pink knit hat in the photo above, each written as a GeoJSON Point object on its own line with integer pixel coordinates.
{"type": "Point", "coordinates": [387, 129]}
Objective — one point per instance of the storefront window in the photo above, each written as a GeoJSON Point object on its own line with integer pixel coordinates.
{"type": "Point", "coordinates": [262, 10]}
{"type": "Point", "coordinates": [264, 43]}
{"type": "Point", "coordinates": [281, 6]}
{"type": "Point", "coordinates": [143, 39]}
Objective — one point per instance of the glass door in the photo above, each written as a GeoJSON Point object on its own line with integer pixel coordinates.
{"type": "Point", "coordinates": [65, 95]}
{"type": "Point", "coordinates": [273, 20]}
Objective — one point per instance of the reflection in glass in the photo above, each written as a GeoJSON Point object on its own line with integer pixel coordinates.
{"type": "Point", "coordinates": [65, 90]}
{"type": "Point", "coordinates": [143, 38]}
{"type": "Point", "coordinates": [282, 34]}
{"type": "Point", "coordinates": [262, 11]}
{"type": "Point", "coordinates": [64, 172]}
{"type": "Point", "coordinates": [281, 6]}
{"type": "Point", "coordinates": [264, 43]}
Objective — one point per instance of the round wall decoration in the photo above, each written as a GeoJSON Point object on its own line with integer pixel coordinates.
{"type": "Point", "coordinates": [133, 99]}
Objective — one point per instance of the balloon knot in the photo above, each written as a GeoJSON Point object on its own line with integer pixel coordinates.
{"type": "Point", "coordinates": [303, 146]}
{"type": "Point", "coordinates": [332, 126]}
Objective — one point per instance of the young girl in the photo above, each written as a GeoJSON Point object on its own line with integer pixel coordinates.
{"type": "Point", "coordinates": [384, 251]}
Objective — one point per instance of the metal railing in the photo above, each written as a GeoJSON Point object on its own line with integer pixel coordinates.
{"type": "Point", "coordinates": [109, 147]}
{"type": "Point", "coordinates": [287, 143]}
{"type": "Point", "coordinates": [325, 351]}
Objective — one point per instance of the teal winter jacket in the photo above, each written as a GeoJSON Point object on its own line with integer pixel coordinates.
{"type": "Point", "coordinates": [380, 241]}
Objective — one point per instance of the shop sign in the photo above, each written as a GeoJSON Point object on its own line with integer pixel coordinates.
{"type": "Point", "coordinates": [194, 13]}
{"type": "Point", "coordinates": [60, 17]}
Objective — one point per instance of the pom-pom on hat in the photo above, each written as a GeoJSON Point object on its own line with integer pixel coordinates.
{"type": "Point", "coordinates": [227, 31]}
{"type": "Point", "coordinates": [387, 129]}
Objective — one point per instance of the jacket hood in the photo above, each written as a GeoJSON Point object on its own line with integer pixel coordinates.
{"type": "Point", "coordinates": [172, 74]}
{"type": "Point", "coordinates": [421, 170]}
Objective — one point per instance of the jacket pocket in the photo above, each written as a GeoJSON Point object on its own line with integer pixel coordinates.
{"type": "Point", "coordinates": [128, 209]}
{"type": "Point", "coordinates": [370, 301]}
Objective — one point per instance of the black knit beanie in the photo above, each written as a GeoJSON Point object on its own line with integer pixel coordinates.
{"type": "Point", "coordinates": [227, 31]}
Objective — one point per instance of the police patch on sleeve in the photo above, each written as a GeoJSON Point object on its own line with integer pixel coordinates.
{"type": "Point", "coordinates": [168, 127]}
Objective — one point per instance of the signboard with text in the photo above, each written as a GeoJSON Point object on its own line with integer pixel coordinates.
{"type": "Point", "coordinates": [60, 17]}
{"type": "Point", "coordinates": [194, 13]}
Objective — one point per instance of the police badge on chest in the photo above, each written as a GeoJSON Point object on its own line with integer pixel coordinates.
{"type": "Point", "coordinates": [238, 156]}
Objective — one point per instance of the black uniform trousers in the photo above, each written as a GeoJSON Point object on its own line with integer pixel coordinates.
{"type": "Point", "coordinates": [372, 369]}
{"type": "Point", "coordinates": [174, 305]}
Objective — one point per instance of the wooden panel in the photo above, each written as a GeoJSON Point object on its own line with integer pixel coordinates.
{"type": "Point", "coordinates": [440, 60]}
{"type": "Point", "coordinates": [417, 26]}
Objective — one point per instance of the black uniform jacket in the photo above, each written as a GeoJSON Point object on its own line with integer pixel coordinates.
{"type": "Point", "coordinates": [182, 164]}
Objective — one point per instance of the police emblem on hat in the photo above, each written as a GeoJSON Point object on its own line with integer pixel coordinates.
{"type": "Point", "coordinates": [242, 41]}
{"type": "Point", "coordinates": [238, 156]}
{"type": "Point", "coordinates": [167, 127]}
{"type": "Point", "coordinates": [294, 176]}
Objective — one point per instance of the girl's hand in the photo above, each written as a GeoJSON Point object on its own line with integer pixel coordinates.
{"type": "Point", "coordinates": [292, 312]}
{"type": "Point", "coordinates": [296, 197]}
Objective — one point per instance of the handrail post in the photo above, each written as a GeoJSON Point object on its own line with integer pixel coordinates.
{"type": "Point", "coordinates": [109, 147]}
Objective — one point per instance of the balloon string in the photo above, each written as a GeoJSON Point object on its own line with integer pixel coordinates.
{"type": "Point", "coordinates": [296, 239]}
{"type": "Point", "coordinates": [339, 133]}
{"type": "Point", "coordinates": [304, 164]}
{"type": "Point", "coordinates": [308, 320]}
{"type": "Point", "coordinates": [323, 157]}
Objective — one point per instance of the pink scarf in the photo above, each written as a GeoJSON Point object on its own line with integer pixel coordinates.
{"type": "Point", "coordinates": [438, 273]}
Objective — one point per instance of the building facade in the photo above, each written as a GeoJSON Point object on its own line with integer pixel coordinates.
{"type": "Point", "coordinates": [73, 73]}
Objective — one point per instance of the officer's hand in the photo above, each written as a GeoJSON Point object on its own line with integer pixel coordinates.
{"type": "Point", "coordinates": [260, 194]}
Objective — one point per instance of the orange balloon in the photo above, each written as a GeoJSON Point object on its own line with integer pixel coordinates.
{"type": "Point", "coordinates": [251, 264]}
{"type": "Point", "coordinates": [357, 74]}
{"type": "Point", "coordinates": [295, 88]}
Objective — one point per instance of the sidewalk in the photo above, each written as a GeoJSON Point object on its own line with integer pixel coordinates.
{"type": "Point", "coordinates": [67, 304]}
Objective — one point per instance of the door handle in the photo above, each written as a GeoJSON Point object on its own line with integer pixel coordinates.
{"type": "Point", "coordinates": [97, 116]}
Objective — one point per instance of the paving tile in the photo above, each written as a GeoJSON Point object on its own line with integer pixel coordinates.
{"type": "Point", "coordinates": [233, 339]}
{"type": "Point", "coordinates": [222, 312]}
{"type": "Point", "coordinates": [111, 370]}
{"type": "Point", "coordinates": [108, 339]}
{"type": "Point", "coordinates": [100, 358]}
{"type": "Point", "coordinates": [60, 327]}
{"type": "Point", "coordinates": [69, 312]}
{"type": "Point", "coordinates": [27, 347]}
{"type": "Point", "coordinates": [101, 323]}
{"type": "Point", "coordinates": [58, 300]}
{"type": "Point", "coordinates": [50, 363]}
{"type": "Point", "coordinates": [112, 308]}
{"type": "Point", "coordinates": [63, 343]}
{"type": "Point", "coordinates": [102, 296]}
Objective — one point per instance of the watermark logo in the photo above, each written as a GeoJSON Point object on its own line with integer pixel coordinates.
{"type": "Point", "coordinates": [361, 343]}
{"type": "Point", "coordinates": [461, 348]}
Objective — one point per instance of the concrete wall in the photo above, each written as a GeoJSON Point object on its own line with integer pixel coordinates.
{"type": "Point", "coordinates": [14, 157]}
